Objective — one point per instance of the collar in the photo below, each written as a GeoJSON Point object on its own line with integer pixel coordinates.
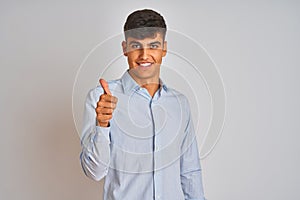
{"type": "Point", "coordinates": [130, 85]}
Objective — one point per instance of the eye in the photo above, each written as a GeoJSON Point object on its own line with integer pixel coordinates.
{"type": "Point", "coordinates": [135, 46]}
{"type": "Point", "coordinates": [154, 46]}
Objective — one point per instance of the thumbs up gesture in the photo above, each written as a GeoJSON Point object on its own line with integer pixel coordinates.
{"type": "Point", "coordinates": [105, 106]}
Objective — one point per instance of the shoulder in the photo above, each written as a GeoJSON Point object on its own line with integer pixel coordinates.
{"type": "Point", "coordinates": [180, 101]}
{"type": "Point", "coordinates": [171, 92]}
{"type": "Point", "coordinates": [178, 98]}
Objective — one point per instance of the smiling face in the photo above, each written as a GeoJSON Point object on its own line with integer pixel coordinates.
{"type": "Point", "coordinates": [144, 58]}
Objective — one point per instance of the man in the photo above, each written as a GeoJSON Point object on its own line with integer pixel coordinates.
{"type": "Point", "coordinates": [138, 133]}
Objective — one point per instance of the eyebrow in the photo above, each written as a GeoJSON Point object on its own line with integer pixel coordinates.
{"type": "Point", "coordinates": [156, 42]}
{"type": "Point", "coordinates": [134, 42]}
{"type": "Point", "coordinates": [151, 43]}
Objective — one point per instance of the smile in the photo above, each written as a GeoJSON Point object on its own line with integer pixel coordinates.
{"type": "Point", "coordinates": [148, 64]}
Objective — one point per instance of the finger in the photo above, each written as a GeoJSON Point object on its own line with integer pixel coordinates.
{"type": "Point", "coordinates": [104, 104]}
{"type": "Point", "coordinates": [104, 118]}
{"type": "Point", "coordinates": [104, 111]}
{"type": "Point", "coordinates": [104, 85]}
{"type": "Point", "coordinates": [108, 98]}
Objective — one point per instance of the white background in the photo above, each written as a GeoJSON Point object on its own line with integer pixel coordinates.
{"type": "Point", "coordinates": [255, 45]}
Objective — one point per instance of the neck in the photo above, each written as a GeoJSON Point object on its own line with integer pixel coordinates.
{"type": "Point", "coordinates": [151, 88]}
{"type": "Point", "coordinates": [151, 85]}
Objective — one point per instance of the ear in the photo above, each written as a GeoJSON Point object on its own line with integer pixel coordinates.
{"type": "Point", "coordinates": [124, 47]}
{"type": "Point", "coordinates": [165, 49]}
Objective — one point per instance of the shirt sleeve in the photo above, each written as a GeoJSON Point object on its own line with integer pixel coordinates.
{"type": "Point", "coordinates": [190, 168]}
{"type": "Point", "coordinates": [95, 141]}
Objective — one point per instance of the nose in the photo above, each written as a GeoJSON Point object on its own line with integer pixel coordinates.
{"type": "Point", "coordinates": [144, 53]}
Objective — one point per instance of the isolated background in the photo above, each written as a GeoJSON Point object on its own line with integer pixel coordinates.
{"type": "Point", "coordinates": [255, 44]}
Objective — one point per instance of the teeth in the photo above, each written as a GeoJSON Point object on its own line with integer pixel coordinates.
{"type": "Point", "coordinates": [145, 64]}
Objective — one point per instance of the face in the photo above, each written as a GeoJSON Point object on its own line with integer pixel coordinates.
{"type": "Point", "coordinates": [145, 57]}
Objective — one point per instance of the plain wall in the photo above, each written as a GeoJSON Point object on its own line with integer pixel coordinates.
{"type": "Point", "coordinates": [255, 45]}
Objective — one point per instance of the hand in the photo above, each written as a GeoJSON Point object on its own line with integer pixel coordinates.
{"type": "Point", "coordinates": [105, 106]}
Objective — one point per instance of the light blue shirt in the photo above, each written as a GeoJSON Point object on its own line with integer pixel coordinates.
{"type": "Point", "coordinates": [149, 151]}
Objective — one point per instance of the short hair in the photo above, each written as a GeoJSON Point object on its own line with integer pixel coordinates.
{"type": "Point", "coordinates": [144, 23]}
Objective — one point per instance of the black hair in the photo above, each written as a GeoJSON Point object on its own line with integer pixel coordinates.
{"type": "Point", "coordinates": [144, 24]}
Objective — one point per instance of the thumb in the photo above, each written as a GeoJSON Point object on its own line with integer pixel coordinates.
{"type": "Point", "coordinates": [104, 85]}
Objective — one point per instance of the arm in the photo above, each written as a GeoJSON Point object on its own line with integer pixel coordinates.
{"type": "Point", "coordinates": [95, 141]}
{"type": "Point", "coordinates": [190, 168]}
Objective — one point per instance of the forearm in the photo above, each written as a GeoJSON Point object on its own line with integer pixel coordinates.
{"type": "Point", "coordinates": [192, 185]}
{"type": "Point", "coordinates": [95, 154]}
{"type": "Point", "coordinates": [191, 174]}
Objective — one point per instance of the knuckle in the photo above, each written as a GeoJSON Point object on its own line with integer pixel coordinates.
{"type": "Point", "coordinates": [99, 110]}
{"type": "Point", "coordinates": [108, 110]}
{"type": "Point", "coordinates": [99, 103]}
{"type": "Point", "coordinates": [103, 96]}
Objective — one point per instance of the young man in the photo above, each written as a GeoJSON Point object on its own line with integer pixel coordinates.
{"type": "Point", "coordinates": [138, 133]}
